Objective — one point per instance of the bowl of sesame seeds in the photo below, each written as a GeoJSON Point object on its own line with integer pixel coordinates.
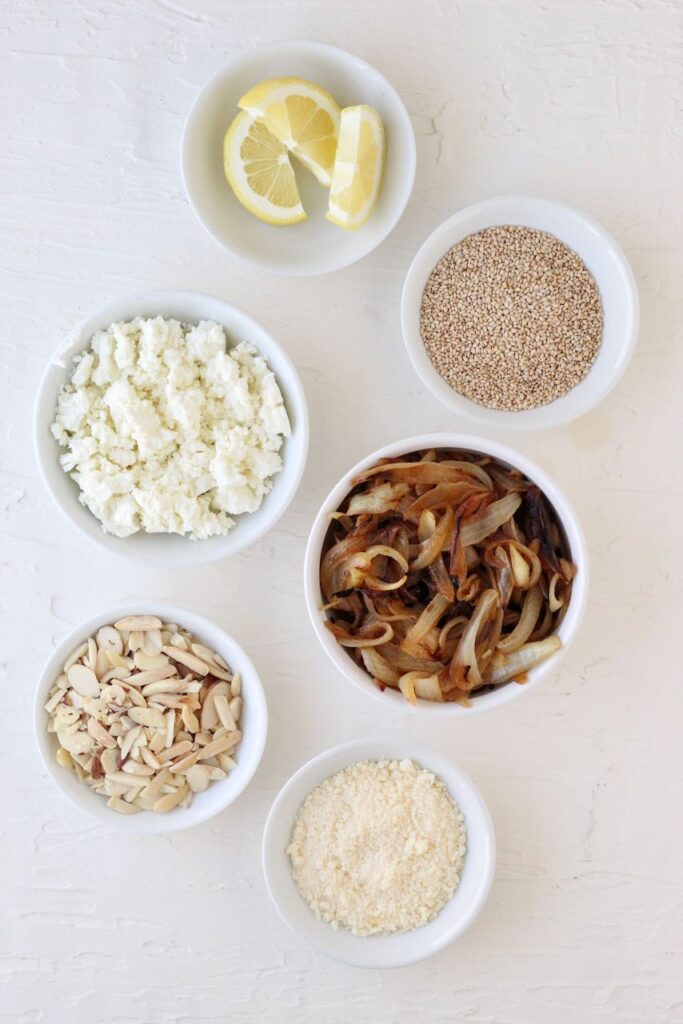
{"type": "Point", "coordinates": [520, 313]}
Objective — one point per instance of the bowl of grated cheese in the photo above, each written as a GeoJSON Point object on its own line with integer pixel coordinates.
{"type": "Point", "coordinates": [381, 901]}
{"type": "Point", "coordinates": [171, 428]}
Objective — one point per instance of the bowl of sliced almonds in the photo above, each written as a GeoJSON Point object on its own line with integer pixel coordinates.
{"type": "Point", "coordinates": [152, 719]}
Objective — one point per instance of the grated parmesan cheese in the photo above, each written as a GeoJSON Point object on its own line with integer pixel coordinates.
{"type": "Point", "coordinates": [378, 847]}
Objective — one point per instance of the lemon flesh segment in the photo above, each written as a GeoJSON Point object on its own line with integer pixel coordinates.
{"type": "Point", "coordinates": [303, 116]}
{"type": "Point", "coordinates": [358, 167]}
{"type": "Point", "coordinates": [258, 169]}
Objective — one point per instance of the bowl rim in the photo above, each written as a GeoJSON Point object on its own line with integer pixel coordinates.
{"type": "Point", "coordinates": [447, 770]}
{"type": "Point", "coordinates": [77, 339]}
{"type": "Point", "coordinates": [242, 60]}
{"type": "Point", "coordinates": [445, 439]}
{"type": "Point", "coordinates": [442, 238]}
{"type": "Point", "coordinates": [145, 823]}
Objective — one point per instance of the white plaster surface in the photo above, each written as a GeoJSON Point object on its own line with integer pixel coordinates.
{"type": "Point", "coordinates": [576, 100]}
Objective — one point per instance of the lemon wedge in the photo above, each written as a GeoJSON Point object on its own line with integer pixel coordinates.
{"type": "Point", "coordinates": [358, 167]}
{"type": "Point", "coordinates": [303, 116]}
{"type": "Point", "coordinates": [259, 171]}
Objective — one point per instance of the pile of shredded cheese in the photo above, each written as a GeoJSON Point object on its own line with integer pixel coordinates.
{"type": "Point", "coordinates": [378, 847]}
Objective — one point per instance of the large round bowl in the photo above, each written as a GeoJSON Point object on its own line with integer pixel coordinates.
{"type": "Point", "coordinates": [380, 950]}
{"type": "Point", "coordinates": [603, 258]}
{"type": "Point", "coordinates": [219, 795]}
{"type": "Point", "coordinates": [170, 550]}
{"type": "Point", "coordinates": [314, 246]}
{"type": "Point", "coordinates": [393, 699]}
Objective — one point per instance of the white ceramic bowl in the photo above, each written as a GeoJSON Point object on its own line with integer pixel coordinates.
{"type": "Point", "coordinates": [605, 261]}
{"type": "Point", "coordinates": [380, 950]}
{"type": "Point", "coordinates": [392, 699]}
{"type": "Point", "coordinates": [168, 550]}
{"type": "Point", "coordinates": [219, 795]}
{"type": "Point", "coordinates": [314, 246]}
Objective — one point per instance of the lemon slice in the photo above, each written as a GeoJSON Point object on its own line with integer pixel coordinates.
{"type": "Point", "coordinates": [358, 167]}
{"type": "Point", "coordinates": [302, 116]}
{"type": "Point", "coordinates": [259, 171]}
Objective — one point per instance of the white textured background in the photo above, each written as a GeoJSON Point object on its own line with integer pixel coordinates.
{"type": "Point", "coordinates": [576, 100]}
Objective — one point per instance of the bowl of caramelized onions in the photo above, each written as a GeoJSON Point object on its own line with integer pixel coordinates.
{"type": "Point", "coordinates": [447, 573]}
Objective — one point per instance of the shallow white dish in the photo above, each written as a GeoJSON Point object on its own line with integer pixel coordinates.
{"type": "Point", "coordinates": [168, 550]}
{"type": "Point", "coordinates": [604, 260]}
{"type": "Point", "coordinates": [380, 950]}
{"type": "Point", "coordinates": [219, 795]}
{"type": "Point", "coordinates": [393, 699]}
{"type": "Point", "coordinates": [314, 246]}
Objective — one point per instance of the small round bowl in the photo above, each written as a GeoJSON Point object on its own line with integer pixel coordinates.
{"type": "Point", "coordinates": [603, 258]}
{"type": "Point", "coordinates": [393, 700]}
{"type": "Point", "coordinates": [314, 246]}
{"type": "Point", "coordinates": [172, 550]}
{"type": "Point", "coordinates": [380, 950]}
{"type": "Point", "coordinates": [219, 795]}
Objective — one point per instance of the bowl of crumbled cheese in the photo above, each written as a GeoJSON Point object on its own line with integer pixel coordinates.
{"type": "Point", "coordinates": [171, 428]}
{"type": "Point", "coordinates": [379, 852]}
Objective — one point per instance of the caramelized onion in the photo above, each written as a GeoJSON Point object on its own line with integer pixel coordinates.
{"type": "Point", "coordinates": [444, 573]}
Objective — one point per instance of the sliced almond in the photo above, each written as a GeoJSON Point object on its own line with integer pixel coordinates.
{"type": "Point", "coordinates": [198, 778]}
{"type": "Point", "coordinates": [84, 681]}
{"type": "Point", "coordinates": [223, 708]}
{"type": "Point", "coordinates": [54, 700]}
{"type": "Point", "coordinates": [186, 762]}
{"type": "Point", "coordinates": [139, 623]}
{"type": "Point", "coordinates": [147, 716]}
{"type": "Point", "coordinates": [64, 758]}
{"type": "Point", "coordinates": [117, 804]}
{"type": "Point", "coordinates": [170, 727]}
{"type": "Point", "coordinates": [99, 733]}
{"type": "Point", "coordinates": [215, 774]}
{"type": "Point", "coordinates": [177, 750]}
{"type": "Point", "coordinates": [153, 675]}
{"type": "Point", "coordinates": [152, 642]}
{"type": "Point", "coordinates": [109, 760]}
{"type": "Point", "coordinates": [190, 720]}
{"type": "Point", "coordinates": [109, 639]}
{"type": "Point", "coordinates": [186, 658]}
{"type": "Point", "coordinates": [149, 758]}
{"type": "Point", "coordinates": [76, 656]}
{"type": "Point", "coordinates": [209, 715]}
{"type": "Point", "coordinates": [170, 800]}
{"type": "Point", "coordinates": [217, 746]}
{"type": "Point", "coordinates": [75, 742]}
{"type": "Point", "coordinates": [146, 661]}
{"type": "Point", "coordinates": [236, 708]}
{"type": "Point", "coordinates": [136, 768]}
{"type": "Point", "coordinates": [163, 686]}
{"type": "Point", "coordinates": [236, 685]}
{"type": "Point", "coordinates": [156, 784]}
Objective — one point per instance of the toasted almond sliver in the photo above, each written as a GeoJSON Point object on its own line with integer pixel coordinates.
{"type": "Point", "coordinates": [217, 746]}
{"type": "Point", "coordinates": [170, 800]}
{"type": "Point", "coordinates": [139, 623]}
{"type": "Point", "coordinates": [99, 733]}
{"type": "Point", "coordinates": [152, 675]}
{"type": "Point", "coordinates": [189, 718]}
{"type": "Point", "coordinates": [186, 762]}
{"type": "Point", "coordinates": [164, 685]}
{"type": "Point", "coordinates": [191, 661]}
{"type": "Point", "coordinates": [75, 656]}
{"type": "Point", "coordinates": [121, 778]}
{"type": "Point", "coordinates": [54, 700]}
{"type": "Point", "coordinates": [147, 716]}
{"type": "Point", "coordinates": [177, 750]}
{"type": "Point", "coordinates": [136, 768]}
{"type": "Point", "coordinates": [209, 715]}
{"type": "Point", "coordinates": [149, 758]}
{"type": "Point", "coordinates": [223, 709]}
{"type": "Point", "coordinates": [156, 785]}
{"type": "Point", "coordinates": [117, 804]}
{"type": "Point", "coordinates": [170, 728]}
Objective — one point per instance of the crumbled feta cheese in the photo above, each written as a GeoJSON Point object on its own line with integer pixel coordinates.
{"type": "Point", "coordinates": [167, 430]}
